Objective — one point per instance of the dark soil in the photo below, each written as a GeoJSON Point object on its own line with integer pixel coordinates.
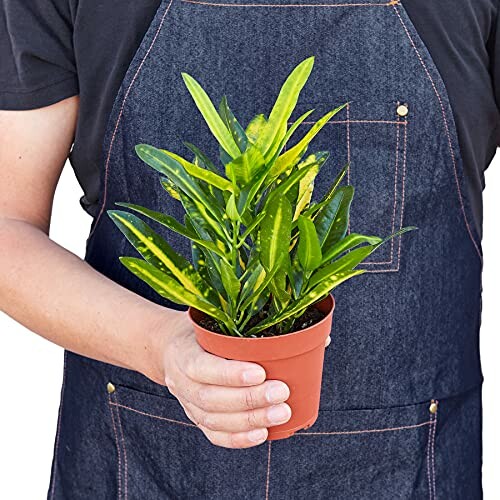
{"type": "Point", "coordinates": [311, 316]}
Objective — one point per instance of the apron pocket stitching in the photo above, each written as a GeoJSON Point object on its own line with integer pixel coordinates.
{"type": "Point", "coordinates": [268, 474]}
{"type": "Point", "coordinates": [158, 417]}
{"type": "Point", "coordinates": [118, 448]}
{"type": "Point", "coordinates": [431, 445]}
{"type": "Point", "coordinates": [390, 3]}
{"type": "Point", "coordinates": [430, 423]}
{"type": "Point", "coordinates": [125, 461]}
{"type": "Point", "coordinates": [433, 453]}
{"type": "Point", "coordinates": [366, 431]}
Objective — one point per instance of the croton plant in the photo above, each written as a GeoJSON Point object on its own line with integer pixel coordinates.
{"type": "Point", "coordinates": [263, 251]}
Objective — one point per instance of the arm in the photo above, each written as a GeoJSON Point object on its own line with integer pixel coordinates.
{"type": "Point", "coordinates": [57, 295]}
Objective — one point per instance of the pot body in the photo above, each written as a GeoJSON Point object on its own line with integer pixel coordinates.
{"type": "Point", "coordinates": [295, 358]}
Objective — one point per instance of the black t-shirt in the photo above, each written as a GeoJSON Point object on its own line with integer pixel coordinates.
{"type": "Point", "coordinates": [53, 49]}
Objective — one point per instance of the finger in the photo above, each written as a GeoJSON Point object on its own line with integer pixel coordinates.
{"type": "Point", "coordinates": [236, 440]}
{"type": "Point", "coordinates": [245, 421]}
{"type": "Point", "coordinates": [205, 368]}
{"type": "Point", "coordinates": [215, 398]}
{"type": "Point", "coordinates": [328, 341]}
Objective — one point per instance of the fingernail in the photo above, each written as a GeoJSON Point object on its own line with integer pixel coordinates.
{"type": "Point", "coordinates": [277, 393]}
{"type": "Point", "coordinates": [257, 435]}
{"type": "Point", "coordinates": [253, 377]}
{"type": "Point", "coordinates": [279, 414]}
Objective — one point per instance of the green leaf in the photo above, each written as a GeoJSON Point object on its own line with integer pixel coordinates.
{"type": "Point", "coordinates": [249, 193]}
{"type": "Point", "coordinates": [260, 288]}
{"type": "Point", "coordinates": [231, 210]}
{"type": "Point", "coordinates": [166, 165]}
{"type": "Point", "coordinates": [313, 210]}
{"type": "Point", "coordinates": [160, 254]}
{"type": "Point", "coordinates": [325, 219]}
{"type": "Point", "coordinates": [250, 228]}
{"type": "Point", "coordinates": [309, 298]}
{"type": "Point", "coordinates": [290, 157]}
{"type": "Point", "coordinates": [253, 277]}
{"type": "Point", "coordinates": [341, 222]}
{"type": "Point", "coordinates": [163, 219]}
{"type": "Point", "coordinates": [170, 289]}
{"type": "Point", "coordinates": [284, 106]}
{"type": "Point", "coordinates": [203, 174]}
{"type": "Point", "coordinates": [309, 249]}
{"type": "Point", "coordinates": [230, 281]}
{"type": "Point", "coordinates": [397, 233]}
{"type": "Point", "coordinates": [255, 127]}
{"type": "Point", "coordinates": [345, 263]}
{"type": "Point", "coordinates": [204, 226]}
{"type": "Point", "coordinates": [233, 125]}
{"type": "Point", "coordinates": [202, 158]}
{"type": "Point", "coordinates": [306, 185]}
{"type": "Point", "coordinates": [242, 169]}
{"type": "Point", "coordinates": [170, 188]}
{"type": "Point", "coordinates": [214, 121]}
{"type": "Point", "coordinates": [212, 258]}
{"type": "Point", "coordinates": [284, 186]}
{"type": "Point", "coordinates": [275, 230]}
{"type": "Point", "coordinates": [348, 243]}
{"type": "Point", "coordinates": [174, 225]}
{"type": "Point", "coordinates": [289, 134]}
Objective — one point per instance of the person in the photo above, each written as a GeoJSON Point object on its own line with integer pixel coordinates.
{"type": "Point", "coordinates": [400, 409]}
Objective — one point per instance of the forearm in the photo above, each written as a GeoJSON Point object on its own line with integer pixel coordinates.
{"type": "Point", "coordinates": [57, 295]}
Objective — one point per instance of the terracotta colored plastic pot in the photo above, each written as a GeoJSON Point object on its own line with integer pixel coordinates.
{"type": "Point", "coordinates": [295, 358]}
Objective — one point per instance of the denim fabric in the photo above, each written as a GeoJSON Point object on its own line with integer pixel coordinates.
{"type": "Point", "coordinates": [404, 333]}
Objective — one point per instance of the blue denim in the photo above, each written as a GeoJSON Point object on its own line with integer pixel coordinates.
{"type": "Point", "coordinates": [404, 334]}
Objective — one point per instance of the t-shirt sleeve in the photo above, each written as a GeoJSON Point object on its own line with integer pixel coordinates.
{"type": "Point", "coordinates": [37, 64]}
{"type": "Point", "coordinates": [494, 54]}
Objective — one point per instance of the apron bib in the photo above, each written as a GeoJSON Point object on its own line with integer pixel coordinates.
{"type": "Point", "coordinates": [400, 412]}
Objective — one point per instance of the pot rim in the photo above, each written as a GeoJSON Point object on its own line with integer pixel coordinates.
{"type": "Point", "coordinates": [331, 306]}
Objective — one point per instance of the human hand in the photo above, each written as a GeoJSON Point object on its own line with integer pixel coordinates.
{"type": "Point", "coordinates": [230, 401]}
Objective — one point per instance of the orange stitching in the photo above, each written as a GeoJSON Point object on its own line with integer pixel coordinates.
{"type": "Point", "coordinates": [365, 431]}
{"type": "Point", "coordinates": [268, 475]}
{"type": "Point", "coordinates": [429, 440]}
{"type": "Point", "coordinates": [154, 416]}
{"type": "Point", "coordinates": [348, 134]}
{"type": "Point", "coordinates": [393, 226]}
{"type": "Point", "coordinates": [348, 121]}
{"type": "Point", "coordinates": [54, 471]}
{"type": "Point", "coordinates": [433, 447]}
{"type": "Point", "coordinates": [277, 5]}
{"type": "Point", "coordinates": [334, 433]}
{"type": "Point", "coordinates": [395, 203]}
{"type": "Point", "coordinates": [125, 470]}
{"type": "Point", "coordinates": [118, 120]}
{"type": "Point", "coordinates": [403, 194]}
{"type": "Point", "coordinates": [117, 449]}
{"type": "Point", "coordinates": [447, 130]}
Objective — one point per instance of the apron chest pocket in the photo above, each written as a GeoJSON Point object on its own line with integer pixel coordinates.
{"type": "Point", "coordinates": [372, 138]}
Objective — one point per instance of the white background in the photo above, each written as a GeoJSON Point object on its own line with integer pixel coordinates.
{"type": "Point", "coordinates": [31, 368]}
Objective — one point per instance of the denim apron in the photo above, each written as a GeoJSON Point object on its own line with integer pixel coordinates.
{"type": "Point", "coordinates": [400, 413]}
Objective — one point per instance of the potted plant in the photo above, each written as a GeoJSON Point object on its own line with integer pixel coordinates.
{"type": "Point", "coordinates": [265, 256]}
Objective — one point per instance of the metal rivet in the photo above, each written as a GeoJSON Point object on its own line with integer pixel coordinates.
{"type": "Point", "coordinates": [111, 388]}
{"type": "Point", "coordinates": [402, 110]}
{"type": "Point", "coordinates": [433, 408]}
